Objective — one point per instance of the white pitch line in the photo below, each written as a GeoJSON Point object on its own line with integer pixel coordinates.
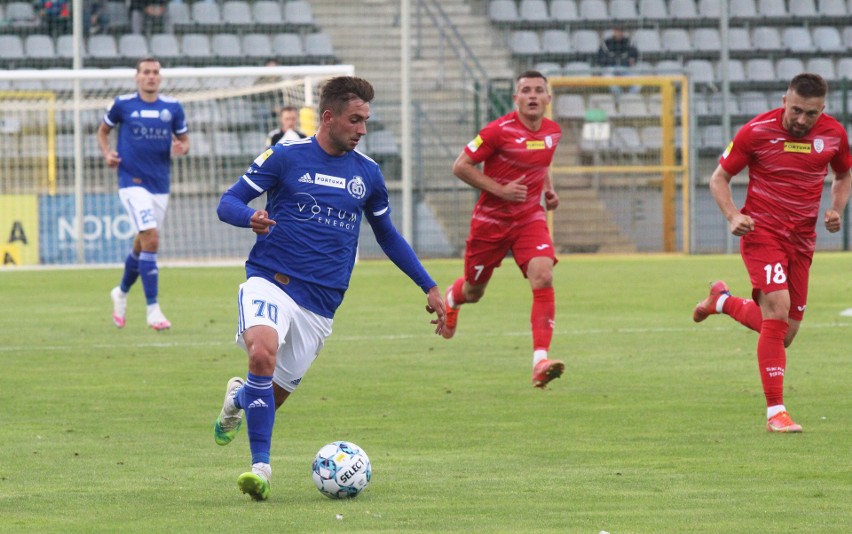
{"type": "Point", "coordinates": [396, 337]}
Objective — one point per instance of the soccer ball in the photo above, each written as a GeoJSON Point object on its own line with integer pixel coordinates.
{"type": "Point", "coordinates": [341, 470]}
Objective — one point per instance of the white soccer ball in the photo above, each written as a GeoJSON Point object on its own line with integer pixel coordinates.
{"type": "Point", "coordinates": [341, 470]}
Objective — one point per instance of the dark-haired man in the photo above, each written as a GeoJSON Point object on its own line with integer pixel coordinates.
{"type": "Point", "coordinates": [787, 152]}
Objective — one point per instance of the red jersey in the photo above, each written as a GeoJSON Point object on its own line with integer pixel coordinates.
{"type": "Point", "coordinates": [786, 173]}
{"type": "Point", "coordinates": [510, 151]}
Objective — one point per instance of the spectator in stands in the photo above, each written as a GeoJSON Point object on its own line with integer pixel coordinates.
{"type": "Point", "coordinates": [147, 16]}
{"type": "Point", "coordinates": [55, 16]}
{"type": "Point", "coordinates": [617, 56]}
{"type": "Point", "coordinates": [96, 20]}
{"type": "Point", "coordinates": [288, 120]}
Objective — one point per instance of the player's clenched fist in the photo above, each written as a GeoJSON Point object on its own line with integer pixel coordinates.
{"type": "Point", "coordinates": [260, 222]}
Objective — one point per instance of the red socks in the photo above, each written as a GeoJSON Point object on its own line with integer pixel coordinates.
{"type": "Point", "coordinates": [542, 317]}
{"type": "Point", "coordinates": [772, 359]}
{"type": "Point", "coordinates": [458, 293]}
{"type": "Point", "coordinates": [744, 311]}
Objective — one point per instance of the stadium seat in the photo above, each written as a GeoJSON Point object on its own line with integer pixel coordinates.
{"type": "Point", "coordinates": [39, 48]}
{"type": "Point", "coordinates": [828, 39]}
{"type": "Point", "coordinates": [647, 40]}
{"type": "Point", "coordinates": [11, 47]}
{"type": "Point", "coordinates": [65, 145]}
{"type": "Point", "coordinates": [773, 8]}
{"type": "Point", "coordinates": [585, 41]}
{"type": "Point", "coordinates": [288, 46]}
{"type": "Point", "coordinates": [753, 102]}
{"type": "Point", "coordinates": [760, 70]}
{"type": "Point", "coordinates": [709, 9]}
{"type": "Point", "coordinates": [706, 40]}
{"type": "Point", "coordinates": [298, 12]}
{"type": "Point", "coordinates": [382, 143]}
{"type": "Point", "coordinates": [632, 105]}
{"type": "Point", "coordinates": [228, 143]}
{"type": "Point", "coordinates": [64, 47]}
{"type": "Point", "coordinates": [803, 8]}
{"type": "Point", "coordinates": [676, 40]}
{"type": "Point", "coordinates": [564, 10]}
{"type": "Point", "coordinates": [700, 104]}
{"type": "Point", "coordinates": [832, 8]}
{"type": "Point", "coordinates": [604, 102]}
{"type": "Point", "coordinates": [847, 36]}
{"type": "Point", "coordinates": [622, 10]}
{"type": "Point", "coordinates": [797, 39]}
{"type": "Point", "coordinates": [237, 13]}
{"type": "Point", "coordinates": [683, 9]}
{"type": "Point", "coordinates": [133, 46]}
{"type": "Point", "coordinates": [788, 67]}
{"type": "Point", "coordinates": [736, 71]}
{"type": "Point", "coordinates": [178, 15]}
{"type": "Point", "coordinates": [700, 70]}
{"type": "Point", "coordinates": [745, 9]}
{"type": "Point", "coordinates": [739, 39]}
{"type": "Point", "coordinates": [318, 45]}
{"type": "Point", "coordinates": [668, 66]}
{"type": "Point", "coordinates": [712, 136]}
{"type": "Point", "coordinates": [196, 46]}
{"type": "Point", "coordinates": [824, 66]}
{"type": "Point", "coordinates": [653, 9]}
{"type": "Point", "coordinates": [555, 42]}
{"type": "Point", "coordinates": [652, 137]}
{"type": "Point", "coordinates": [533, 12]}
{"type": "Point", "coordinates": [548, 68]}
{"type": "Point", "coordinates": [252, 142]}
{"type": "Point", "coordinates": [626, 139]}
{"type": "Point", "coordinates": [201, 145]}
{"type": "Point", "coordinates": [577, 68]}
{"type": "Point", "coordinates": [766, 38]}
{"type": "Point", "coordinates": [593, 10]}
{"type": "Point", "coordinates": [257, 45]}
{"type": "Point", "coordinates": [226, 46]}
{"type": "Point", "coordinates": [103, 47]}
{"type": "Point", "coordinates": [118, 18]}
{"type": "Point", "coordinates": [206, 14]}
{"type": "Point", "coordinates": [267, 12]}
{"type": "Point", "coordinates": [503, 12]}
{"type": "Point", "coordinates": [164, 46]}
{"type": "Point", "coordinates": [524, 43]}
{"type": "Point", "coordinates": [21, 15]}
{"type": "Point", "coordinates": [844, 67]}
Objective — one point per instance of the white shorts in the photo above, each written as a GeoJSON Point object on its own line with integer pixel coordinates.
{"type": "Point", "coordinates": [301, 333]}
{"type": "Point", "coordinates": [146, 210]}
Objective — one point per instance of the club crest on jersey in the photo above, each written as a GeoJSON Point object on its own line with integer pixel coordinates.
{"type": "Point", "coordinates": [548, 141]}
{"type": "Point", "coordinates": [819, 145]}
{"type": "Point", "coordinates": [166, 115]}
{"type": "Point", "coordinates": [356, 187]}
{"type": "Point", "coordinates": [800, 148]}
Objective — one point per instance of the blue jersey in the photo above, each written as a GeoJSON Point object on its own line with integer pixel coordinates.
{"type": "Point", "coordinates": [145, 139]}
{"type": "Point", "coordinates": [318, 202]}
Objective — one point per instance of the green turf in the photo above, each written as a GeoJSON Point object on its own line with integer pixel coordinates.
{"type": "Point", "coordinates": [657, 425]}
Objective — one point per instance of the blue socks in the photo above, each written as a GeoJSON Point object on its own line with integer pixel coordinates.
{"type": "Point", "coordinates": [131, 271]}
{"type": "Point", "coordinates": [258, 400]}
{"type": "Point", "coordinates": [150, 275]}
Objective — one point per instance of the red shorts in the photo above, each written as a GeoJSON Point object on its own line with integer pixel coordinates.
{"type": "Point", "coordinates": [775, 263]}
{"type": "Point", "coordinates": [485, 250]}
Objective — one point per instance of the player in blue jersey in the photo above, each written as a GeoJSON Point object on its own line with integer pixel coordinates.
{"type": "Point", "coordinates": [318, 190]}
{"type": "Point", "coordinates": [151, 127]}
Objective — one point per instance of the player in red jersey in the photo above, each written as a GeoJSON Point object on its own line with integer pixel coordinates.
{"type": "Point", "coordinates": [787, 152]}
{"type": "Point", "coordinates": [516, 150]}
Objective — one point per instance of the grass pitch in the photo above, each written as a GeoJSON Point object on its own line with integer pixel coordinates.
{"type": "Point", "coordinates": [656, 426]}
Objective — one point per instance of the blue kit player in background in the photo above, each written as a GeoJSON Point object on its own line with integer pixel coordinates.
{"type": "Point", "coordinates": [318, 189]}
{"type": "Point", "coordinates": [151, 127]}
